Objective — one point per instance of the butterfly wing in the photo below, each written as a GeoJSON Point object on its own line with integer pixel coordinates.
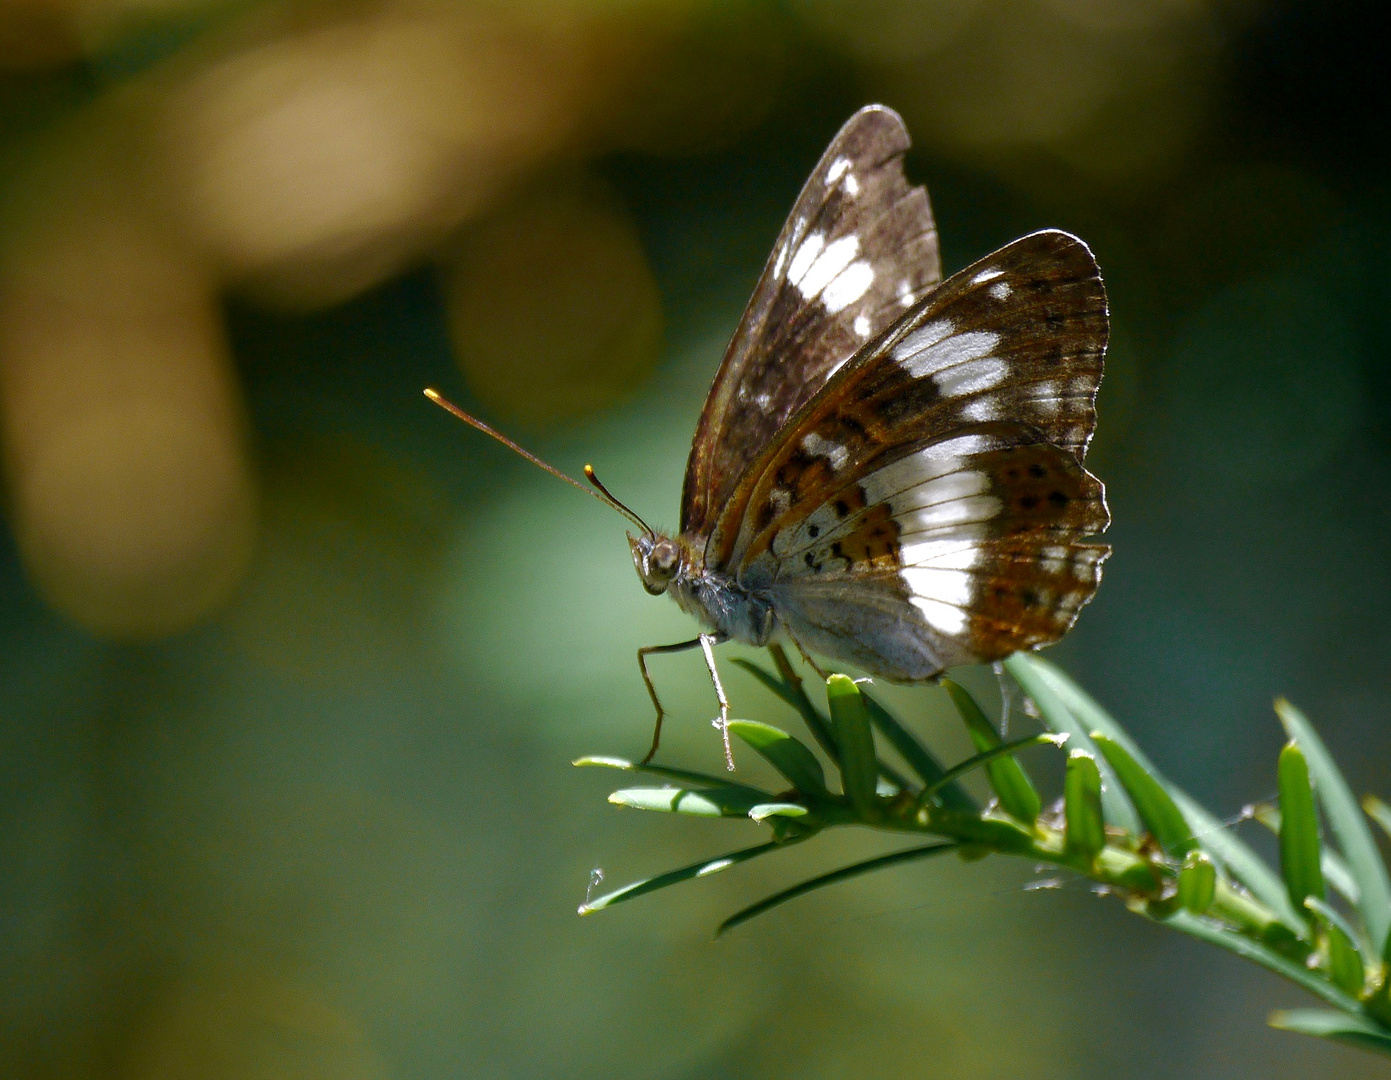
{"type": "Point", "coordinates": [966, 549]}
{"type": "Point", "coordinates": [929, 506]}
{"type": "Point", "coordinates": [858, 249]}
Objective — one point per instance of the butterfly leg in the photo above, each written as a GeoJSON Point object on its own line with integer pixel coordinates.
{"type": "Point", "coordinates": [807, 657]}
{"type": "Point", "coordinates": [643, 654]}
{"type": "Point", "coordinates": [707, 643]}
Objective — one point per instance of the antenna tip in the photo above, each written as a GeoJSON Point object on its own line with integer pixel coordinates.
{"type": "Point", "coordinates": [589, 471]}
{"type": "Point", "coordinates": [432, 393]}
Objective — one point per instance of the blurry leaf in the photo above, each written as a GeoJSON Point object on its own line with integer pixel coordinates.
{"type": "Point", "coordinates": [919, 758]}
{"type": "Point", "coordinates": [1126, 869]}
{"type": "Point", "coordinates": [1197, 882]}
{"type": "Point", "coordinates": [1010, 782]}
{"type": "Point", "coordinates": [859, 766]}
{"type": "Point", "coordinates": [1299, 828]}
{"type": "Point", "coordinates": [843, 874]}
{"type": "Point", "coordinates": [1217, 839]}
{"type": "Point", "coordinates": [785, 754]}
{"type": "Point", "coordinates": [710, 802]}
{"type": "Point", "coordinates": [1057, 716]}
{"type": "Point", "coordinates": [1156, 809]}
{"type": "Point", "coordinates": [1347, 824]}
{"type": "Point", "coordinates": [1378, 811]}
{"type": "Point", "coordinates": [984, 758]}
{"type": "Point", "coordinates": [704, 868]}
{"type": "Point", "coordinates": [1215, 933]}
{"type": "Point", "coordinates": [1345, 966]}
{"type": "Point", "coordinates": [788, 686]}
{"type": "Point", "coordinates": [1354, 1029]}
{"type": "Point", "coordinates": [1085, 825]}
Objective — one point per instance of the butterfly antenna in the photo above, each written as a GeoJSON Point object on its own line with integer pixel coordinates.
{"type": "Point", "coordinates": [609, 498]}
{"type": "Point", "coordinates": [602, 494]}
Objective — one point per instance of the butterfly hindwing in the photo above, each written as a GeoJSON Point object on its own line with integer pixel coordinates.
{"type": "Point", "coordinates": [858, 249]}
{"type": "Point", "coordinates": [973, 542]}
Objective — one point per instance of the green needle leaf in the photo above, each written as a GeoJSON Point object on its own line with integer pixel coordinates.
{"type": "Point", "coordinates": [1219, 841]}
{"type": "Point", "coordinates": [843, 874]}
{"type": "Point", "coordinates": [790, 757]}
{"type": "Point", "coordinates": [1215, 933]}
{"type": "Point", "coordinates": [763, 811]}
{"type": "Point", "coordinates": [1154, 805]}
{"type": "Point", "coordinates": [1085, 825]}
{"type": "Point", "coordinates": [1344, 958]}
{"type": "Point", "coordinates": [1354, 1029]}
{"type": "Point", "coordinates": [709, 802]}
{"type": "Point", "coordinates": [685, 776]}
{"type": "Point", "coordinates": [788, 686]}
{"type": "Point", "coordinates": [1348, 826]}
{"type": "Point", "coordinates": [995, 753]}
{"type": "Point", "coordinates": [1336, 874]}
{"type": "Point", "coordinates": [859, 767]}
{"type": "Point", "coordinates": [919, 758]}
{"type": "Point", "coordinates": [1197, 883]}
{"type": "Point", "coordinates": [1011, 783]}
{"type": "Point", "coordinates": [1378, 811]}
{"type": "Point", "coordinates": [1057, 716]}
{"type": "Point", "coordinates": [704, 868]}
{"type": "Point", "coordinates": [1299, 828]}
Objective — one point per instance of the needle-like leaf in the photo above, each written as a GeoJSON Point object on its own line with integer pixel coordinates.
{"type": "Point", "coordinates": [1057, 716]}
{"type": "Point", "coordinates": [787, 684]}
{"type": "Point", "coordinates": [1354, 1029]}
{"type": "Point", "coordinates": [790, 757]}
{"type": "Point", "coordinates": [1299, 828]}
{"type": "Point", "coordinates": [919, 758]}
{"type": "Point", "coordinates": [1197, 882]}
{"type": "Point", "coordinates": [667, 772]}
{"type": "Point", "coordinates": [704, 868]}
{"type": "Point", "coordinates": [706, 802]}
{"type": "Point", "coordinates": [995, 753]}
{"type": "Point", "coordinates": [1345, 821]}
{"type": "Point", "coordinates": [859, 767]}
{"type": "Point", "coordinates": [843, 874]}
{"type": "Point", "coordinates": [1218, 840]}
{"type": "Point", "coordinates": [1011, 783]}
{"type": "Point", "coordinates": [1156, 808]}
{"type": "Point", "coordinates": [1085, 824]}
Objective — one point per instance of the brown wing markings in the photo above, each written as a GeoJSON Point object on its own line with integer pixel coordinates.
{"type": "Point", "coordinates": [1020, 547]}
{"type": "Point", "coordinates": [786, 346]}
{"type": "Point", "coordinates": [888, 405]}
{"type": "Point", "coordinates": [1019, 606]}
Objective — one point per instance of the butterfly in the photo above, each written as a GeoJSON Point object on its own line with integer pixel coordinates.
{"type": "Point", "coordinates": [888, 470]}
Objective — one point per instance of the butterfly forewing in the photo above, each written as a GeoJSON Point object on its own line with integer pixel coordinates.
{"type": "Point", "coordinates": [936, 481]}
{"type": "Point", "coordinates": [858, 249]}
{"type": "Point", "coordinates": [1017, 337]}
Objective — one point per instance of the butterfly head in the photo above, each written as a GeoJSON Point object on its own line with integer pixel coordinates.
{"type": "Point", "coordinates": [658, 560]}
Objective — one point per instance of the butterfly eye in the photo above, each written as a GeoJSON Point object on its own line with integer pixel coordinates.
{"type": "Point", "coordinates": [664, 559]}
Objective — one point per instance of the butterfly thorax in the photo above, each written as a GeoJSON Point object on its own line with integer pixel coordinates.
{"type": "Point", "coordinates": [718, 602]}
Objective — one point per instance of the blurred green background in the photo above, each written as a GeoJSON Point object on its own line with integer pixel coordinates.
{"type": "Point", "coordinates": [293, 665]}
